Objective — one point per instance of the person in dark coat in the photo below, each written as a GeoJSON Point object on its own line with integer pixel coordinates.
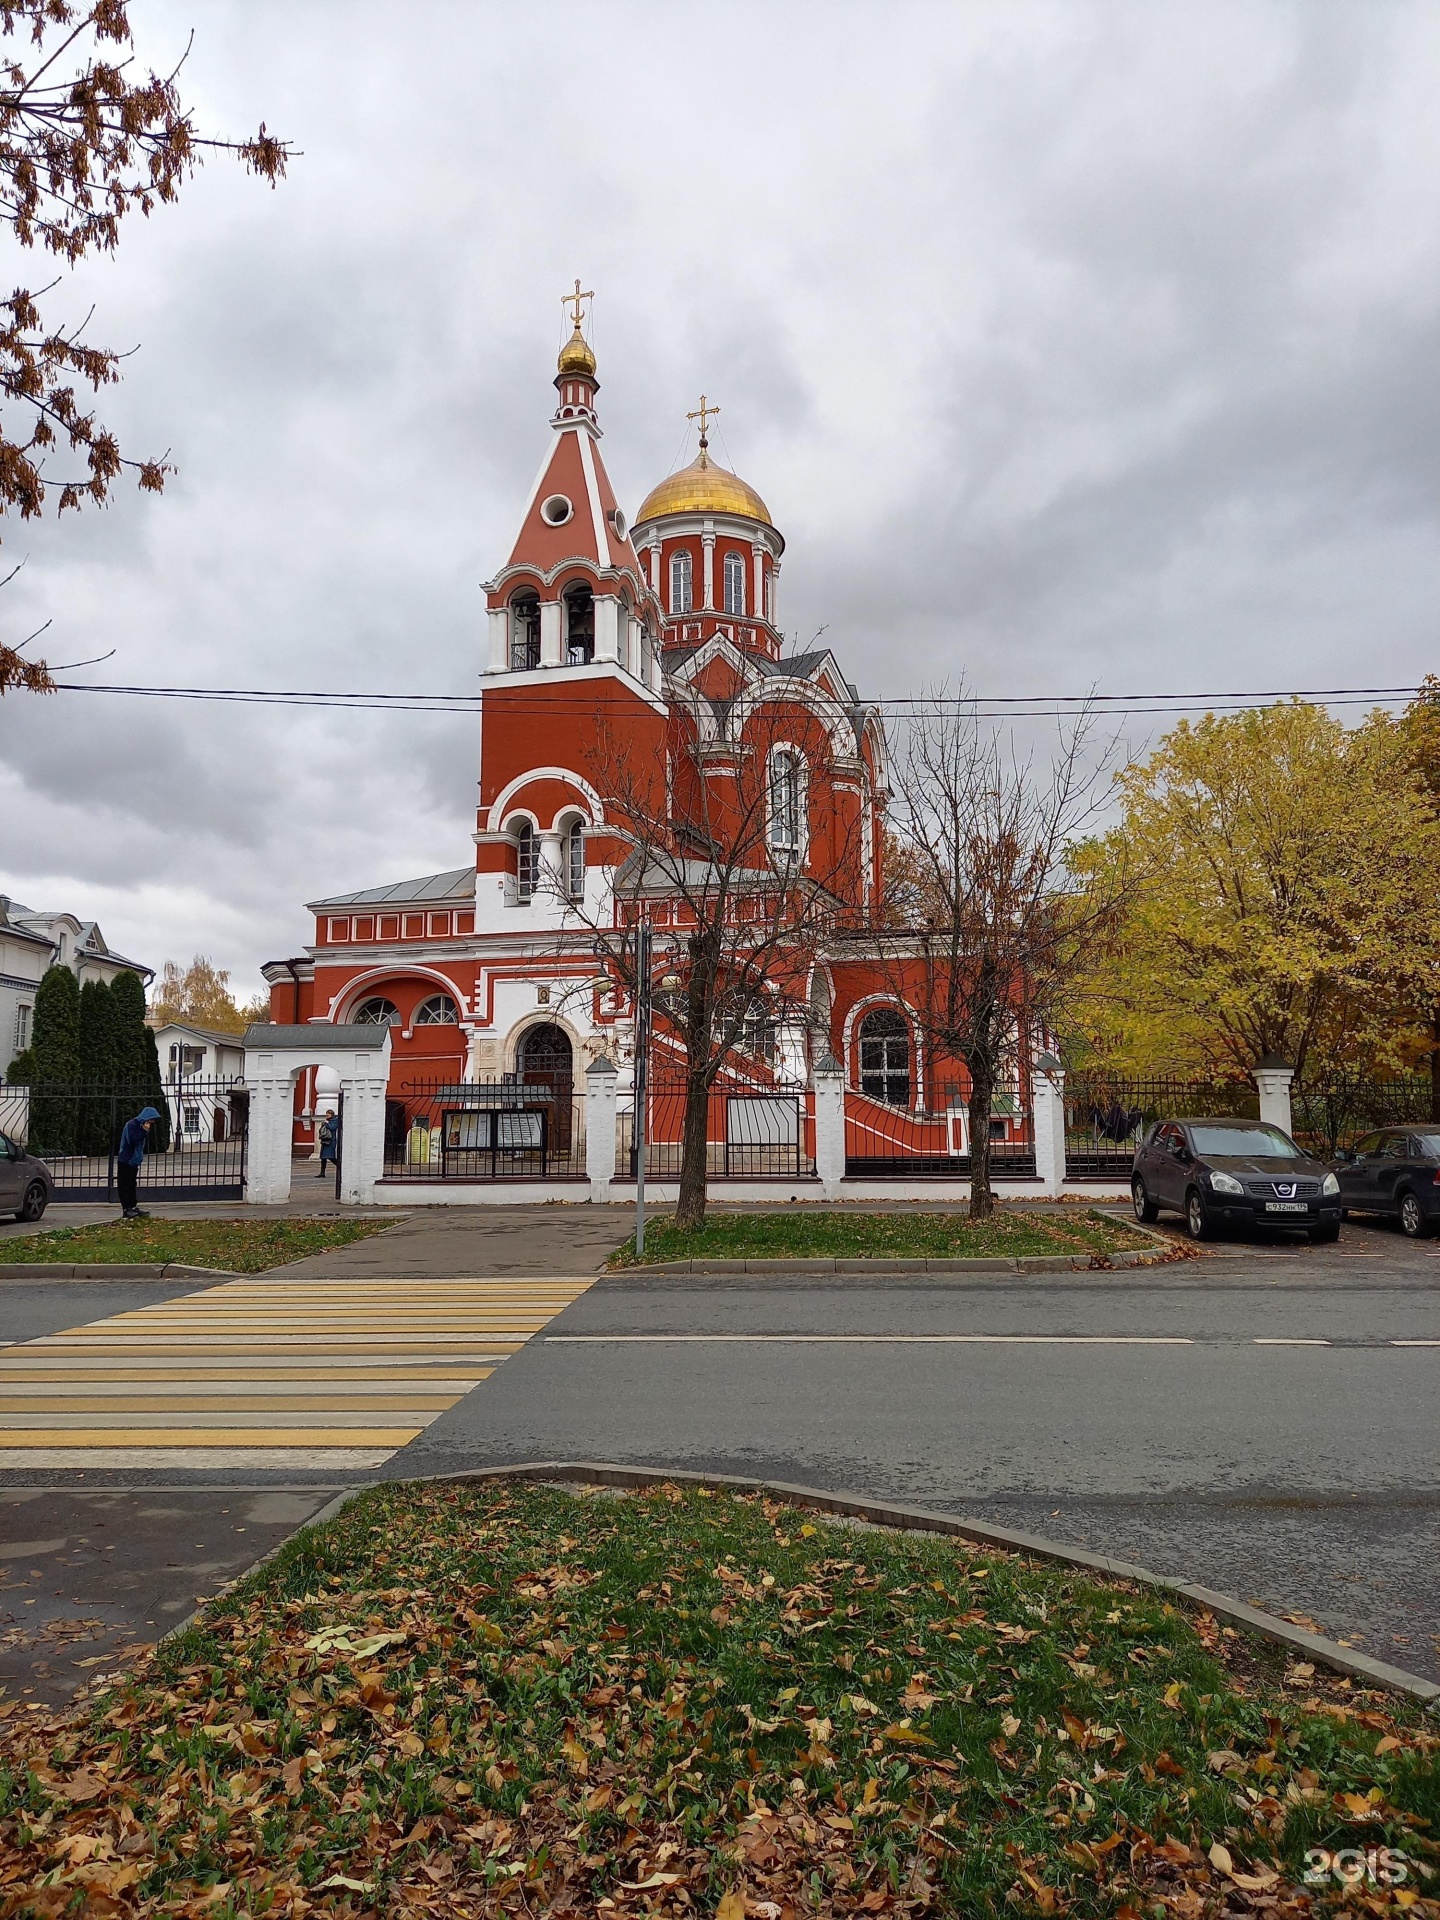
{"type": "Point", "coordinates": [329, 1141]}
{"type": "Point", "coordinates": [134, 1139]}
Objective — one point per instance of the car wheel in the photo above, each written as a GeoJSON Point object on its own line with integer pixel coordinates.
{"type": "Point", "coordinates": [1145, 1207]}
{"type": "Point", "coordinates": [1412, 1218]}
{"type": "Point", "coordinates": [1344, 1213]}
{"type": "Point", "coordinates": [1320, 1235]}
{"type": "Point", "coordinates": [35, 1201]}
{"type": "Point", "coordinates": [1196, 1218]}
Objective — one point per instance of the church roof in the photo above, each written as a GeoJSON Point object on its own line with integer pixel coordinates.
{"type": "Point", "coordinates": [704, 487]}
{"type": "Point", "coordinates": [457, 884]}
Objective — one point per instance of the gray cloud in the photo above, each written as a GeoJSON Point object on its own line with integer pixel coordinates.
{"type": "Point", "coordinates": [1067, 343]}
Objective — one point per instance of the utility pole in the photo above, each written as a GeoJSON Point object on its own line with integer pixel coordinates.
{"type": "Point", "coordinates": [642, 1074]}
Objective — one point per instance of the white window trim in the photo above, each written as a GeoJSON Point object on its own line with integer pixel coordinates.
{"type": "Point", "coordinates": [801, 849]}
{"type": "Point", "coordinates": [682, 557]}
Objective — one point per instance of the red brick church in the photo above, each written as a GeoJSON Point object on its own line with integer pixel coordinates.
{"type": "Point", "coordinates": [662, 633]}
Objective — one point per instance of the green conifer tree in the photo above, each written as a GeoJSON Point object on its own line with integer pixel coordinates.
{"type": "Point", "coordinates": [95, 1133]}
{"type": "Point", "coordinates": [56, 1050]}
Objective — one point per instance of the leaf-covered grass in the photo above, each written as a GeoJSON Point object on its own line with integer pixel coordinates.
{"type": "Point", "coordinates": [802, 1234]}
{"type": "Point", "coordinates": [234, 1246]}
{"type": "Point", "coordinates": [486, 1699]}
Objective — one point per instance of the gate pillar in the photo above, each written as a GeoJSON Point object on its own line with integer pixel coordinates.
{"type": "Point", "coordinates": [600, 1082]}
{"type": "Point", "coordinates": [1047, 1099]}
{"type": "Point", "coordinates": [1273, 1076]}
{"type": "Point", "coordinates": [829, 1083]}
{"type": "Point", "coordinates": [274, 1058]}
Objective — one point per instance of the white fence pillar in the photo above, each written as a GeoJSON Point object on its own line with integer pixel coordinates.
{"type": "Point", "coordinates": [600, 1083]}
{"type": "Point", "coordinates": [1047, 1100]}
{"type": "Point", "coordinates": [362, 1139]}
{"type": "Point", "coordinates": [829, 1087]}
{"type": "Point", "coordinates": [1273, 1077]}
{"type": "Point", "coordinates": [268, 1147]}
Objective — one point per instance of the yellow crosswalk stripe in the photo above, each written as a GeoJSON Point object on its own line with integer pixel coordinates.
{"type": "Point", "coordinates": [268, 1371]}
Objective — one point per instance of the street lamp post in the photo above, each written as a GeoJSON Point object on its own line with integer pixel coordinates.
{"type": "Point", "coordinates": [642, 1074]}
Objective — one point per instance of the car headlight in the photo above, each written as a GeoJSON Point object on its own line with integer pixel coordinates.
{"type": "Point", "coordinates": [1330, 1186]}
{"type": "Point", "coordinates": [1225, 1183]}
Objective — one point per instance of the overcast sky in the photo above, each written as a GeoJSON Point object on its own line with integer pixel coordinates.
{"type": "Point", "coordinates": [1067, 343]}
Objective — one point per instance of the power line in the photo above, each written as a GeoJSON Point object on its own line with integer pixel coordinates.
{"type": "Point", "coordinates": [903, 706]}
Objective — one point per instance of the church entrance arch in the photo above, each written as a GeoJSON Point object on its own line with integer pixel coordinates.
{"type": "Point", "coordinates": [545, 1058]}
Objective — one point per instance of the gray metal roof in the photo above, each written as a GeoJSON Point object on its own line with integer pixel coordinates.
{"type": "Point", "coordinates": [318, 1033]}
{"type": "Point", "coordinates": [457, 884]}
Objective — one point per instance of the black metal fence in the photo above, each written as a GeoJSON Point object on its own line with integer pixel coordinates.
{"type": "Point", "coordinates": [505, 1129]}
{"type": "Point", "coordinates": [195, 1151]}
{"type": "Point", "coordinates": [1106, 1117]}
{"type": "Point", "coordinates": [754, 1132]}
{"type": "Point", "coordinates": [1330, 1114]}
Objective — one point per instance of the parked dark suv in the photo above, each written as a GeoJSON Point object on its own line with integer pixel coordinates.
{"type": "Point", "coordinates": [1233, 1172]}
{"type": "Point", "coordinates": [1395, 1172]}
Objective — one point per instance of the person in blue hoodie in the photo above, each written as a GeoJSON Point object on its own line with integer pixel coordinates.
{"type": "Point", "coordinates": [134, 1138]}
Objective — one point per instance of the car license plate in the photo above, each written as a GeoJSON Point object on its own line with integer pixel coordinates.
{"type": "Point", "coordinates": [1286, 1206]}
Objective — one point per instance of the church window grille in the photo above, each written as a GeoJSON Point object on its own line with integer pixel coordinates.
{"type": "Point", "coordinates": [885, 1057]}
{"type": "Point", "coordinates": [575, 862]}
{"type": "Point", "coordinates": [377, 1011]}
{"type": "Point", "coordinates": [579, 625]}
{"type": "Point", "coordinates": [682, 582]}
{"type": "Point", "coordinates": [438, 1011]}
{"type": "Point", "coordinates": [734, 583]}
{"type": "Point", "coordinates": [527, 862]}
{"type": "Point", "coordinates": [785, 801]}
{"type": "Point", "coordinates": [525, 632]}
{"type": "Point", "coordinates": [758, 1035]}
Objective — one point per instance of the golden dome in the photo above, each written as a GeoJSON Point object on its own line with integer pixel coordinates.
{"type": "Point", "coordinates": [575, 355]}
{"type": "Point", "coordinates": [702, 487]}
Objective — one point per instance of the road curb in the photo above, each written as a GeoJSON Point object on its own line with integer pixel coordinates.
{"type": "Point", "coordinates": [881, 1513]}
{"type": "Point", "coordinates": [1024, 1263]}
{"type": "Point", "coordinates": [111, 1270]}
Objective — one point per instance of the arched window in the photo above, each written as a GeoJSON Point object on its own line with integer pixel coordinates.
{"type": "Point", "coordinates": [525, 632]}
{"type": "Point", "coordinates": [575, 861]}
{"type": "Point", "coordinates": [682, 592]}
{"type": "Point", "coordinates": [438, 1011]}
{"type": "Point", "coordinates": [885, 1057]}
{"type": "Point", "coordinates": [377, 1011]}
{"type": "Point", "coordinates": [579, 625]}
{"type": "Point", "coordinates": [734, 583]}
{"type": "Point", "coordinates": [785, 802]}
{"type": "Point", "coordinates": [527, 862]}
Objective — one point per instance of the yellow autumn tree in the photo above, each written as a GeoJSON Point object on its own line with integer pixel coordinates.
{"type": "Point", "coordinates": [1420, 729]}
{"type": "Point", "coordinates": [200, 994]}
{"type": "Point", "coordinates": [1289, 905]}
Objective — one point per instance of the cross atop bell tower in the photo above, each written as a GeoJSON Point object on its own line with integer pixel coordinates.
{"type": "Point", "coordinates": [575, 380]}
{"type": "Point", "coordinates": [704, 413]}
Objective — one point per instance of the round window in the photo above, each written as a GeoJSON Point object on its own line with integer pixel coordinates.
{"type": "Point", "coordinates": [556, 509]}
{"type": "Point", "coordinates": [619, 523]}
{"type": "Point", "coordinates": [376, 1012]}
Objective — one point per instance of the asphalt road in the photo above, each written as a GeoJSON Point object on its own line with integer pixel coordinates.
{"type": "Point", "coordinates": [1186, 1419]}
{"type": "Point", "coordinates": [1257, 1420]}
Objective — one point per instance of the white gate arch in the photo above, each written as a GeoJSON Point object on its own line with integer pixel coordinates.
{"type": "Point", "coordinates": [274, 1057]}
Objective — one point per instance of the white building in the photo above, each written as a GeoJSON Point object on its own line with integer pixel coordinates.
{"type": "Point", "coordinates": [30, 944]}
{"type": "Point", "coordinates": [197, 1065]}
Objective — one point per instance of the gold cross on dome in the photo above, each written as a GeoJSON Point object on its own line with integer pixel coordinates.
{"type": "Point", "coordinates": [575, 299]}
{"type": "Point", "coordinates": [704, 413]}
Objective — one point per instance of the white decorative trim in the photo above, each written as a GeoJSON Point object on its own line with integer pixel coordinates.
{"type": "Point", "coordinates": [597, 515]}
{"type": "Point", "coordinates": [374, 974]}
{"type": "Point", "coordinates": [917, 1044]}
{"type": "Point", "coordinates": [496, 814]}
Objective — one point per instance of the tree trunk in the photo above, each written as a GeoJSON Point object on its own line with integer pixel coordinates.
{"type": "Point", "coordinates": [1435, 1067]}
{"type": "Point", "coordinates": [982, 1095]}
{"type": "Point", "coordinates": [694, 1155]}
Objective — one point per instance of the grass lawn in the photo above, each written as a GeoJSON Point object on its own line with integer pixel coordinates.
{"type": "Point", "coordinates": [802, 1234]}
{"type": "Point", "coordinates": [236, 1246]}
{"type": "Point", "coordinates": [521, 1700]}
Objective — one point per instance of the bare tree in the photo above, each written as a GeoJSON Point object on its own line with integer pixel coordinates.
{"type": "Point", "coordinates": [739, 836]}
{"type": "Point", "coordinates": [997, 933]}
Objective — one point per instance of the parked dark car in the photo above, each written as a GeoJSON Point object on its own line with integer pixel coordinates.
{"type": "Point", "coordinates": [1235, 1173]}
{"type": "Point", "coordinates": [1395, 1172]}
{"type": "Point", "coordinates": [26, 1187]}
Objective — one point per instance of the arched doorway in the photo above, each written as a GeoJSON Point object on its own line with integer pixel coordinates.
{"type": "Point", "coordinates": [545, 1058]}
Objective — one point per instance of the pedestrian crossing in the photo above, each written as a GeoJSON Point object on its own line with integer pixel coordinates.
{"type": "Point", "coordinates": [266, 1372]}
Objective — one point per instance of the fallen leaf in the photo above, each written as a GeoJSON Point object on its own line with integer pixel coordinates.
{"type": "Point", "coordinates": [352, 1886]}
{"type": "Point", "coordinates": [1220, 1857]}
{"type": "Point", "coordinates": [654, 1880]}
{"type": "Point", "coordinates": [731, 1907]}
